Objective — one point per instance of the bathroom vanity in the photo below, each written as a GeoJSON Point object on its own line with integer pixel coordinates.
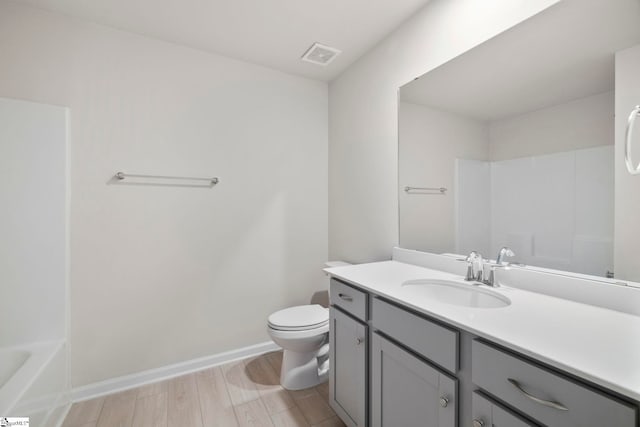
{"type": "Point", "coordinates": [405, 355]}
{"type": "Point", "coordinates": [514, 143]}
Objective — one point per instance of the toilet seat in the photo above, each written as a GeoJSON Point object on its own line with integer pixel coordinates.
{"type": "Point", "coordinates": [300, 334]}
{"type": "Point", "coordinates": [300, 318]}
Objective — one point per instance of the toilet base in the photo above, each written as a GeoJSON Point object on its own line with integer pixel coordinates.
{"type": "Point", "coordinates": [304, 370]}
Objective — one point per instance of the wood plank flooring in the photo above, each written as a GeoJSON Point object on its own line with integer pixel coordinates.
{"type": "Point", "coordinates": [242, 393]}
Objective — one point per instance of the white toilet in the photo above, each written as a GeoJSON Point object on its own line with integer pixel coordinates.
{"type": "Point", "coordinates": [303, 333]}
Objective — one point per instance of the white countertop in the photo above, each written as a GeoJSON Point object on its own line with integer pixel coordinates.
{"type": "Point", "coordinates": [597, 344]}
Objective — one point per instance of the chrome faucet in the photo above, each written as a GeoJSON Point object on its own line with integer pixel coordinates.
{"type": "Point", "coordinates": [504, 252]}
{"type": "Point", "coordinates": [474, 259]}
{"type": "Point", "coordinates": [475, 267]}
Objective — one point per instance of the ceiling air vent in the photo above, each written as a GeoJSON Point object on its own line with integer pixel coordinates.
{"type": "Point", "coordinates": [320, 54]}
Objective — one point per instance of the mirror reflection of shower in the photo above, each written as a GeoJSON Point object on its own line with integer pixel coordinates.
{"type": "Point", "coordinates": [33, 260]}
{"type": "Point", "coordinates": [563, 217]}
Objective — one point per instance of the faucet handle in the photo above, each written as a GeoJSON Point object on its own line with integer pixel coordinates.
{"type": "Point", "coordinates": [472, 256]}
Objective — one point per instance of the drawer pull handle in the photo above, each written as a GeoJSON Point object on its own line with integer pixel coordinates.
{"type": "Point", "coordinates": [549, 403]}
{"type": "Point", "coordinates": [478, 423]}
{"type": "Point", "coordinates": [346, 297]}
{"type": "Point", "coordinates": [359, 341]}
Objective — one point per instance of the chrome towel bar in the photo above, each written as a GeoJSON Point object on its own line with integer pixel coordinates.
{"type": "Point", "coordinates": [633, 170]}
{"type": "Point", "coordinates": [439, 190]}
{"type": "Point", "coordinates": [122, 175]}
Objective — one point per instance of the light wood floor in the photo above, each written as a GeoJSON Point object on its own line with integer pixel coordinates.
{"type": "Point", "coordinates": [242, 393]}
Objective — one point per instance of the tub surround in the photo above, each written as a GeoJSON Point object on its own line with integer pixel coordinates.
{"type": "Point", "coordinates": [35, 261]}
{"type": "Point", "coordinates": [598, 344]}
{"type": "Point", "coordinates": [28, 386]}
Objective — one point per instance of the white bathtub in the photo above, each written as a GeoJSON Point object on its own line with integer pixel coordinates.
{"type": "Point", "coordinates": [33, 379]}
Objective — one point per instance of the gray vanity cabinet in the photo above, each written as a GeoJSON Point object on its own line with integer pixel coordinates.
{"type": "Point", "coordinates": [348, 380]}
{"type": "Point", "coordinates": [406, 391]}
{"type": "Point", "coordinates": [394, 367]}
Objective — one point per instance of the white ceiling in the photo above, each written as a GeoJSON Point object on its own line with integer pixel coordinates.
{"type": "Point", "coordinates": [273, 33]}
{"type": "Point", "coordinates": [562, 54]}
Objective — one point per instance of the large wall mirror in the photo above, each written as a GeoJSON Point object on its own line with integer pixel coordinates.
{"type": "Point", "coordinates": [512, 143]}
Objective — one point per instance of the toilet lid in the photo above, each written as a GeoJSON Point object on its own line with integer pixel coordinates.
{"type": "Point", "coordinates": [299, 317]}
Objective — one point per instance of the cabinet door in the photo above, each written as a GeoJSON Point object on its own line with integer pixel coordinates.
{"type": "Point", "coordinates": [408, 392]}
{"type": "Point", "coordinates": [486, 413]}
{"type": "Point", "coordinates": [347, 382]}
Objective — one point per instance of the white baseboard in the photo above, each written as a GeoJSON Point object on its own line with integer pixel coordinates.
{"type": "Point", "coordinates": [138, 379]}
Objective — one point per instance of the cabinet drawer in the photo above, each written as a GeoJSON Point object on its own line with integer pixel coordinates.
{"type": "Point", "coordinates": [487, 413]}
{"type": "Point", "coordinates": [349, 299]}
{"type": "Point", "coordinates": [545, 396]}
{"type": "Point", "coordinates": [431, 340]}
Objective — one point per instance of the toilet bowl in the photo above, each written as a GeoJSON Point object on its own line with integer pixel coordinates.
{"type": "Point", "coordinates": [303, 333]}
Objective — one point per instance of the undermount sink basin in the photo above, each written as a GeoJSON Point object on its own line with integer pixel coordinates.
{"type": "Point", "coordinates": [462, 294]}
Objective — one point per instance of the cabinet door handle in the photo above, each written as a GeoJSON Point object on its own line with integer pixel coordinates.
{"type": "Point", "coordinates": [359, 341]}
{"type": "Point", "coordinates": [555, 405]}
{"type": "Point", "coordinates": [444, 402]}
{"type": "Point", "coordinates": [346, 297]}
{"type": "Point", "coordinates": [478, 423]}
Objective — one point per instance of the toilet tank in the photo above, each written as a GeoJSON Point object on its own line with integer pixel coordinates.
{"type": "Point", "coordinates": [330, 264]}
{"type": "Point", "coordinates": [322, 297]}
